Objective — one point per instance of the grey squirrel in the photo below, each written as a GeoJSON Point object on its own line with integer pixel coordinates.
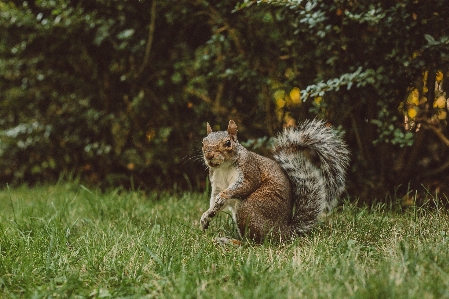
{"type": "Point", "coordinates": [279, 198]}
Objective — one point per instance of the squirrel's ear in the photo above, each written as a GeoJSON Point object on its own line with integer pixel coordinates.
{"type": "Point", "coordinates": [208, 128]}
{"type": "Point", "coordinates": [232, 129]}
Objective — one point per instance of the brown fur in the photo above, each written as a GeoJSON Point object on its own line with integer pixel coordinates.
{"type": "Point", "coordinates": [262, 193]}
{"type": "Point", "coordinates": [262, 186]}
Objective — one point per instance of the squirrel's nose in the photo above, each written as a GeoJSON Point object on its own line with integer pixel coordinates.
{"type": "Point", "coordinates": [209, 155]}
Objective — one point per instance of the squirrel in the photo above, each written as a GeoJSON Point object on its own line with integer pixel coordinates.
{"type": "Point", "coordinates": [280, 198]}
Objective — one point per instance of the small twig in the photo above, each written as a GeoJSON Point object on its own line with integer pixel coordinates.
{"type": "Point", "coordinates": [218, 96]}
{"type": "Point", "coordinates": [146, 56]}
{"type": "Point", "coordinates": [268, 116]}
{"type": "Point", "coordinates": [215, 19]}
{"type": "Point", "coordinates": [215, 105]}
{"type": "Point", "coordinates": [435, 171]}
{"type": "Point", "coordinates": [437, 131]}
{"type": "Point", "coordinates": [358, 137]}
{"type": "Point", "coordinates": [203, 96]}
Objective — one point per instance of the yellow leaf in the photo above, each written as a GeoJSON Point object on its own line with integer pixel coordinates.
{"type": "Point", "coordinates": [318, 100]}
{"type": "Point", "coordinates": [295, 95]}
{"type": "Point", "coordinates": [412, 112]}
{"type": "Point", "coordinates": [440, 102]}
{"type": "Point", "coordinates": [413, 97]}
{"type": "Point", "coordinates": [280, 103]}
{"type": "Point", "coordinates": [442, 114]}
{"type": "Point", "coordinates": [424, 77]}
{"type": "Point", "coordinates": [279, 98]}
{"type": "Point", "coordinates": [439, 76]}
{"type": "Point", "coordinates": [279, 94]}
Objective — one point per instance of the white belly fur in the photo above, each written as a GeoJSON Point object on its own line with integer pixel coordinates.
{"type": "Point", "coordinates": [221, 179]}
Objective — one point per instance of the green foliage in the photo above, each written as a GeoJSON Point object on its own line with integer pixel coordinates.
{"type": "Point", "coordinates": [118, 92]}
{"type": "Point", "coordinates": [69, 241]}
{"type": "Point", "coordinates": [81, 94]}
{"type": "Point", "coordinates": [365, 56]}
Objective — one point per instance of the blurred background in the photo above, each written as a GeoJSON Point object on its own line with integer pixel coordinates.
{"type": "Point", "coordinates": [118, 92]}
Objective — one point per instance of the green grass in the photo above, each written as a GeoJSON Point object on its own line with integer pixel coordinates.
{"type": "Point", "coordinates": [66, 241]}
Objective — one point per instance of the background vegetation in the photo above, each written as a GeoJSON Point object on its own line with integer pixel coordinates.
{"type": "Point", "coordinates": [65, 241]}
{"type": "Point", "coordinates": [118, 92]}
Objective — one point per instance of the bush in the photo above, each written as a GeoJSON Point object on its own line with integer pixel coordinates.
{"type": "Point", "coordinates": [119, 93]}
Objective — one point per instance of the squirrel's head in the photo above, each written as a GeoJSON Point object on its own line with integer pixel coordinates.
{"type": "Point", "coordinates": [220, 147]}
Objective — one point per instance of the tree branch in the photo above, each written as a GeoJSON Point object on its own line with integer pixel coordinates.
{"type": "Point", "coordinates": [437, 131]}
{"type": "Point", "coordinates": [146, 56]}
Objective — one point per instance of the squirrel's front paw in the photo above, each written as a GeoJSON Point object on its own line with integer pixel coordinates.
{"type": "Point", "coordinates": [206, 218]}
{"type": "Point", "coordinates": [205, 221]}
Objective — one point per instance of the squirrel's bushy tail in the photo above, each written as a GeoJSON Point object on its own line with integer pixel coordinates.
{"type": "Point", "coordinates": [315, 159]}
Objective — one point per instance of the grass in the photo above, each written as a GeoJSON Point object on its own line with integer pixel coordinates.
{"type": "Point", "coordinates": [66, 241]}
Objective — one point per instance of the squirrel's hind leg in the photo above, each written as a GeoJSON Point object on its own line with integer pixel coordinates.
{"type": "Point", "coordinates": [255, 223]}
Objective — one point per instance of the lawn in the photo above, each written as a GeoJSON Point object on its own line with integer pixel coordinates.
{"type": "Point", "coordinates": [68, 241]}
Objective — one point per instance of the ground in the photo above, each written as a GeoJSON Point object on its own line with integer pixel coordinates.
{"type": "Point", "coordinates": [67, 240]}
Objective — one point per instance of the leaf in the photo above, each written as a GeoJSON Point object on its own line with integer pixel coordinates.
{"type": "Point", "coordinates": [440, 102]}
{"type": "Point", "coordinates": [413, 97]}
{"type": "Point", "coordinates": [295, 95]}
{"type": "Point", "coordinates": [439, 76]}
{"type": "Point", "coordinates": [442, 114]}
{"type": "Point", "coordinates": [412, 112]}
{"type": "Point", "coordinates": [349, 85]}
{"type": "Point", "coordinates": [125, 34]}
{"type": "Point", "coordinates": [430, 39]}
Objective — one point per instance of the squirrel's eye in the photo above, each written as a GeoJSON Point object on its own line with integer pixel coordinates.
{"type": "Point", "coordinates": [228, 143]}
